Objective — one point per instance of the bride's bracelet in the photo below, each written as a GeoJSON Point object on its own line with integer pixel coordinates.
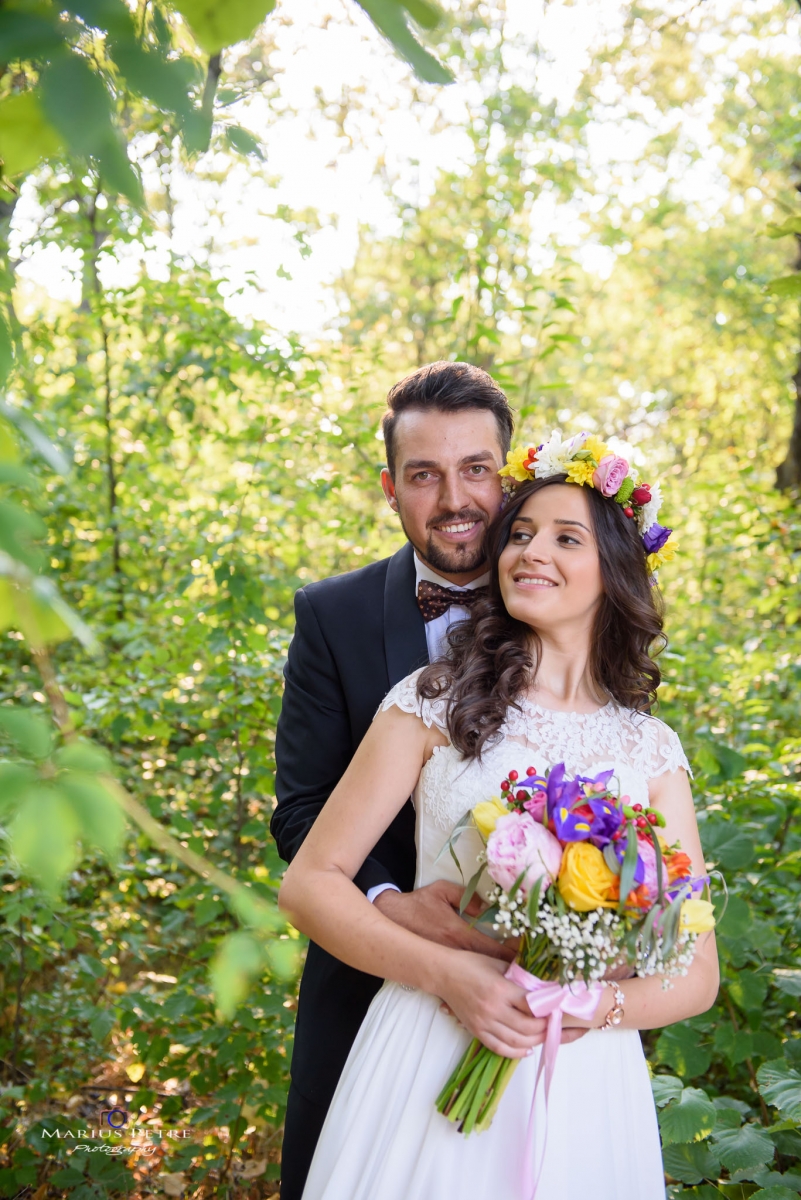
{"type": "Point", "coordinates": [617, 1011]}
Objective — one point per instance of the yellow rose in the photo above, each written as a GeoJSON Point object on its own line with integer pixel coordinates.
{"type": "Point", "coordinates": [487, 813]}
{"type": "Point", "coordinates": [697, 916]}
{"type": "Point", "coordinates": [514, 465]}
{"type": "Point", "coordinates": [585, 881]}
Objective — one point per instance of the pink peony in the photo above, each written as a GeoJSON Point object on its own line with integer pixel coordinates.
{"type": "Point", "coordinates": [517, 844]}
{"type": "Point", "coordinates": [609, 474]}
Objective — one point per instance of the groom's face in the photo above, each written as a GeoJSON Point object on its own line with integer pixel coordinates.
{"type": "Point", "coordinates": [446, 487]}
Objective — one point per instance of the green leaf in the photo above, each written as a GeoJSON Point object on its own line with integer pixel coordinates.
{"type": "Point", "coordinates": [720, 761]}
{"type": "Point", "coordinates": [243, 141]}
{"type": "Point", "coordinates": [665, 1089]}
{"type": "Point", "coordinates": [736, 920]}
{"type": "Point", "coordinates": [207, 909]}
{"type": "Point", "coordinates": [775, 1192]}
{"type": "Point", "coordinates": [688, 1118]}
{"type": "Point", "coordinates": [101, 818]}
{"type": "Point", "coordinates": [748, 1146]}
{"type": "Point", "coordinates": [44, 835]}
{"type": "Point", "coordinates": [748, 990]}
{"type": "Point", "coordinates": [26, 135]}
{"type": "Point", "coordinates": [15, 779]}
{"type": "Point", "coordinates": [80, 755]}
{"type": "Point", "coordinates": [780, 1084]}
{"type": "Point", "coordinates": [216, 25]}
{"type": "Point", "coordinates": [427, 15]}
{"type": "Point", "coordinates": [237, 963]}
{"type": "Point", "coordinates": [6, 348]}
{"type": "Point", "coordinates": [727, 844]}
{"type": "Point", "coordinates": [77, 103]}
{"type": "Point", "coordinates": [691, 1163]}
{"type": "Point", "coordinates": [17, 531]}
{"type": "Point", "coordinates": [793, 225]}
{"type": "Point", "coordinates": [30, 732]}
{"type": "Point", "coordinates": [787, 980]}
{"type": "Point", "coordinates": [785, 285]}
{"type": "Point", "coordinates": [102, 1024]}
{"type": "Point", "coordinates": [389, 17]}
{"type": "Point", "coordinates": [163, 82]}
{"type": "Point", "coordinates": [679, 1048]}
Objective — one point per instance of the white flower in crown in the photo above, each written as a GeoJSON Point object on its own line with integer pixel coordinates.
{"type": "Point", "coordinates": [650, 511]}
{"type": "Point", "coordinates": [554, 455]}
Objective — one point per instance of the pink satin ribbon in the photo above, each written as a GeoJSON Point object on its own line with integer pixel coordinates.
{"type": "Point", "coordinates": [548, 999]}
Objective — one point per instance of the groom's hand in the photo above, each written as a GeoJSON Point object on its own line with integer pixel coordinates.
{"type": "Point", "coordinates": [432, 912]}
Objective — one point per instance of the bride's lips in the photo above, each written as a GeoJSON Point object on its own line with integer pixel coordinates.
{"type": "Point", "coordinates": [459, 531]}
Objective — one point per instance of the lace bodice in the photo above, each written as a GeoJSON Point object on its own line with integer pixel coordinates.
{"type": "Point", "coordinates": [639, 747]}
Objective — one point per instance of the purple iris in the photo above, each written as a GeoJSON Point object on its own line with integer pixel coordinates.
{"type": "Point", "coordinates": [607, 816]}
{"type": "Point", "coordinates": [654, 538]}
{"type": "Point", "coordinates": [562, 795]}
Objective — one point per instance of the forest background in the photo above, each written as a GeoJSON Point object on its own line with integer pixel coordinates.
{"type": "Point", "coordinates": [601, 210]}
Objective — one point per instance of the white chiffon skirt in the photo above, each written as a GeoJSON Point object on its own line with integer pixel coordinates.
{"type": "Point", "coordinates": [384, 1140]}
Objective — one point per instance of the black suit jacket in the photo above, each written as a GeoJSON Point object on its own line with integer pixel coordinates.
{"type": "Point", "coordinates": [356, 635]}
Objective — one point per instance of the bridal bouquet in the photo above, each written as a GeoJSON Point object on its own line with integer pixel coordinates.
{"type": "Point", "coordinates": [587, 882]}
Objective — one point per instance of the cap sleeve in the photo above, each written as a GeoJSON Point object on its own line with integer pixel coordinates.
{"type": "Point", "coordinates": [667, 751]}
{"type": "Point", "coordinates": [404, 696]}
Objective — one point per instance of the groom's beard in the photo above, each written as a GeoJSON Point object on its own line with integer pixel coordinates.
{"type": "Point", "coordinates": [452, 559]}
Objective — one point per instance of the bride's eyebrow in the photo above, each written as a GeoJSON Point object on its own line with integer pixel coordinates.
{"type": "Point", "coordinates": [558, 521]}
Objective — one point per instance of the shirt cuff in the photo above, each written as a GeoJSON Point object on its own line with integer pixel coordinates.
{"type": "Point", "coordinates": [374, 892]}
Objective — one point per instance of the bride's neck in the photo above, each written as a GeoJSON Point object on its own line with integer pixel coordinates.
{"type": "Point", "coordinates": [563, 678]}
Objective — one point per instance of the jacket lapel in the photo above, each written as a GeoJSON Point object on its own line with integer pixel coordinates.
{"type": "Point", "coordinates": [404, 629]}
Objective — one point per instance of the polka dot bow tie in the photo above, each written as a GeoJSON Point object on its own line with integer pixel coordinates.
{"type": "Point", "coordinates": [434, 600]}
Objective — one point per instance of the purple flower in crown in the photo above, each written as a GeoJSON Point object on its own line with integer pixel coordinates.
{"type": "Point", "coordinates": [654, 538]}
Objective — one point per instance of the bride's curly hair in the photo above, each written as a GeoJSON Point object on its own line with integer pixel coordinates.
{"type": "Point", "coordinates": [492, 657]}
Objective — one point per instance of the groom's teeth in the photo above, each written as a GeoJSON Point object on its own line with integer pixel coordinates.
{"type": "Point", "coordinates": [458, 528]}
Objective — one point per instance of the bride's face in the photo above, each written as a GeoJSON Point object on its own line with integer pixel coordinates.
{"type": "Point", "coordinates": [549, 572]}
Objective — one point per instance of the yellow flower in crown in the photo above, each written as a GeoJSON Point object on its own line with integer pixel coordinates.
{"type": "Point", "coordinates": [487, 814]}
{"type": "Point", "coordinates": [581, 471]}
{"type": "Point", "coordinates": [515, 464]}
{"type": "Point", "coordinates": [666, 554]}
{"type": "Point", "coordinates": [595, 447]}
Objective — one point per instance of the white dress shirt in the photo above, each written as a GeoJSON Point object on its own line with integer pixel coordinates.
{"type": "Point", "coordinates": [436, 631]}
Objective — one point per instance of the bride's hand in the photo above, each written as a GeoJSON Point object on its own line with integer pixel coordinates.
{"type": "Point", "coordinates": [489, 1006]}
{"type": "Point", "coordinates": [433, 913]}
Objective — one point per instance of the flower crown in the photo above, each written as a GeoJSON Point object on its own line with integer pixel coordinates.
{"type": "Point", "coordinates": [586, 459]}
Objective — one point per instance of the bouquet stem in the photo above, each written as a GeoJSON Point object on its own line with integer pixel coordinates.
{"type": "Point", "coordinates": [471, 1096]}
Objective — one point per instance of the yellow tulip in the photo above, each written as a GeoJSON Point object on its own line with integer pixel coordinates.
{"type": "Point", "coordinates": [697, 916]}
{"type": "Point", "coordinates": [585, 880]}
{"type": "Point", "coordinates": [487, 813]}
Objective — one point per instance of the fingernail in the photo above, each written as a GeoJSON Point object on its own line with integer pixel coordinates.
{"type": "Point", "coordinates": [529, 1051]}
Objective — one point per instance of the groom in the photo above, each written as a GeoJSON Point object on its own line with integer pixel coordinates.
{"type": "Point", "coordinates": [446, 433]}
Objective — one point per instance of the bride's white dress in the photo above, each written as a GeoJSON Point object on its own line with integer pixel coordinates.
{"type": "Point", "coordinates": [383, 1138]}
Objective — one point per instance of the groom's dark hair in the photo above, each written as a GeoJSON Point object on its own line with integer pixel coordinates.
{"type": "Point", "coordinates": [446, 387]}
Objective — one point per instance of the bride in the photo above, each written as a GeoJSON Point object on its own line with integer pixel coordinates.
{"type": "Point", "coordinates": [554, 666]}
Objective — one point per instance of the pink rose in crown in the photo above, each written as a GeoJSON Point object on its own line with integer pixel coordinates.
{"type": "Point", "coordinates": [519, 844]}
{"type": "Point", "coordinates": [609, 474]}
